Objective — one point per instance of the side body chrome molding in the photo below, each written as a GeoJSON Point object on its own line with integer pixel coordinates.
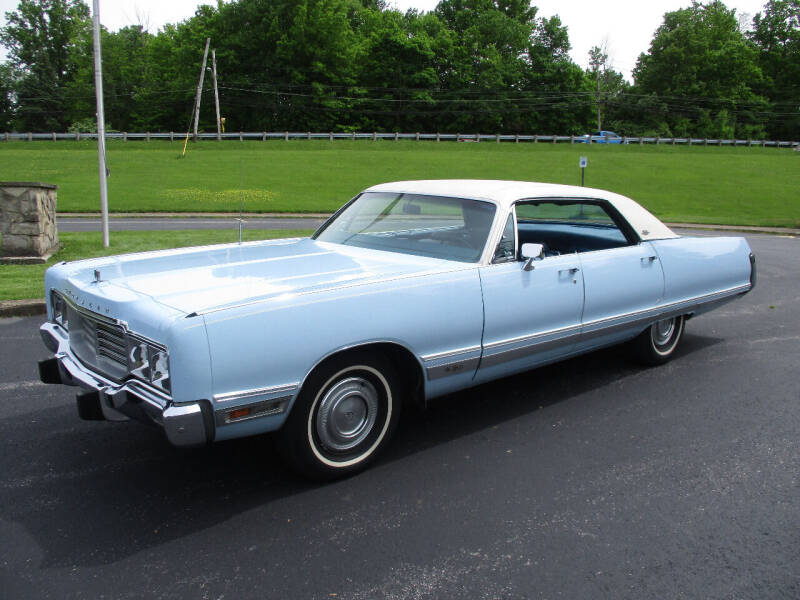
{"type": "Point", "coordinates": [452, 362]}
{"type": "Point", "coordinates": [267, 391]}
{"type": "Point", "coordinates": [511, 349]}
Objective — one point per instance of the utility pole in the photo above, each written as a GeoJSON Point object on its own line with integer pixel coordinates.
{"type": "Point", "coordinates": [200, 88]}
{"type": "Point", "coordinates": [599, 124]}
{"type": "Point", "coordinates": [216, 93]}
{"type": "Point", "coordinates": [101, 119]}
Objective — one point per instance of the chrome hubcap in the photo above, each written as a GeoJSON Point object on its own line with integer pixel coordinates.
{"type": "Point", "coordinates": [663, 330]}
{"type": "Point", "coordinates": [347, 413]}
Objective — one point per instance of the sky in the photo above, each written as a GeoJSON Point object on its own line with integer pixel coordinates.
{"type": "Point", "coordinates": [625, 26]}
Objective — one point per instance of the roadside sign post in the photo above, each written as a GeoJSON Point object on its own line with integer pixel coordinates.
{"type": "Point", "coordinates": [583, 162]}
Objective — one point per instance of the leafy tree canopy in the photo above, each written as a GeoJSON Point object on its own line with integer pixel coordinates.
{"type": "Point", "coordinates": [701, 64]}
{"type": "Point", "coordinates": [44, 39]}
{"type": "Point", "coordinates": [345, 65]}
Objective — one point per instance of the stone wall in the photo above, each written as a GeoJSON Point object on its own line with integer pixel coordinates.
{"type": "Point", "coordinates": [28, 219]}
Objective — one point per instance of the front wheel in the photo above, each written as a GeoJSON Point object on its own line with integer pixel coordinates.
{"type": "Point", "coordinates": [345, 413]}
{"type": "Point", "coordinates": [656, 344]}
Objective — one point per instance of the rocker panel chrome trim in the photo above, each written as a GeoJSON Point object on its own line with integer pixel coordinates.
{"type": "Point", "coordinates": [505, 356]}
{"type": "Point", "coordinates": [563, 332]}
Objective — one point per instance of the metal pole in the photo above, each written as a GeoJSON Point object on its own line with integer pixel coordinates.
{"type": "Point", "coordinates": [101, 120]}
{"type": "Point", "coordinates": [599, 124]}
{"type": "Point", "coordinates": [216, 93]}
{"type": "Point", "coordinates": [200, 88]}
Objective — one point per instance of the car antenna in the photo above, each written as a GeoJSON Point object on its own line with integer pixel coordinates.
{"type": "Point", "coordinates": [240, 220]}
{"type": "Point", "coordinates": [241, 204]}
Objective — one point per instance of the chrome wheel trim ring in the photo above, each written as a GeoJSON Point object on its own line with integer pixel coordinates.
{"type": "Point", "coordinates": [347, 414]}
{"type": "Point", "coordinates": [662, 331]}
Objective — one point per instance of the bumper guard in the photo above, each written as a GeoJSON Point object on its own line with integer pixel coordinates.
{"type": "Point", "coordinates": [185, 424]}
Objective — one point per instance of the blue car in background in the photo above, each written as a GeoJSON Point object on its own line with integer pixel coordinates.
{"type": "Point", "coordinates": [601, 137]}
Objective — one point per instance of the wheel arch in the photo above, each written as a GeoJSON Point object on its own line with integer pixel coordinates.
{"type": "Point", "coordinates": [686, 314]}
{"type": "Point", "coordinates": [407, 363]}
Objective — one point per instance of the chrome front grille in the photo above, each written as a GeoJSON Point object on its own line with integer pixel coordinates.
{"type": "Point", "coordinates": [110, 342]}
{"type": "Point", "coordinates": [98, 342]}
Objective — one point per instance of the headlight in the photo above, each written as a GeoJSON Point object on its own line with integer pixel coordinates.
{"type": "Point", "coordinates": [148, 363]}
{"type": "Point", "coordinates": [59, 309]}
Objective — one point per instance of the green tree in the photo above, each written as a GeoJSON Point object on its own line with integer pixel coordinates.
{"type": "Point", "coordinates": [776, 34]}
{"type": "Point", "coordinates": [704, 69]}
{"type": "Point", "coordinates": [611, 93]}
{"type": "Point", "coordinates": [45, 40]}
{"type": "Point", "coordinates": [559, 95]}
{"type": "Point", "coordinates": [598, 58]}
{"type": "Point", "coordinates": [510, 69]}
{"type": "Point", "coordinates": [6, 97]}
{"type": "Point", "coordinates": [125, 77]}
{"type": "Point", "coordinates": [397, 71]}
{"type": "Point", "coordinates": [487, 64]}
{"type": "Point", "coordinates": [317, 48]}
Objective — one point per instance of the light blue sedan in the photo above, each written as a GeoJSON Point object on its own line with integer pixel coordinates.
{"type": "Point", "coordinates": [412, 290]}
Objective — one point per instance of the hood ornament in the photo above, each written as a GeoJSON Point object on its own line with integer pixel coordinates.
{"type": "Point", "coordinates": [97, 275]}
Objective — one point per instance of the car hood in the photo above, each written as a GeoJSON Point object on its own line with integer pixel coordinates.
{"type": "Point", "coordinates": [197, 280]}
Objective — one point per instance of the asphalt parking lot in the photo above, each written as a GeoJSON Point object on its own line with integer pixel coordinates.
{"type": "Point", "coordinates": [593, 478]}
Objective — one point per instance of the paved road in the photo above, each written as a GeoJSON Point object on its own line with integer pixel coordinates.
{"type": "Point", "coordinates": [173, 223]}
{"type": "Point", "coordinates": [594, 478]}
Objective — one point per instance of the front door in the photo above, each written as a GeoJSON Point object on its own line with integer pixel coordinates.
{"type": "Point", "coordinates": [530, 317]}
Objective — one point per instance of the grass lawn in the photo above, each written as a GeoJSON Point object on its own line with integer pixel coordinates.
{"type": "Point", "coordinates": [737, 186]}
{"type": "Point", "coordinates": [19, 282]}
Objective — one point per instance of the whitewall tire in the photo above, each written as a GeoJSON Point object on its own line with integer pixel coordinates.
{"type": "Point", "coordinates": [343, 417]}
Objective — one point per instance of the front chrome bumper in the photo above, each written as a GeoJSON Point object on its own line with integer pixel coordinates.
{"type": "Point", "coordinates": [185, 424]}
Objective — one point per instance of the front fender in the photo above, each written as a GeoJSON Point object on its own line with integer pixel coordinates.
{"type": "Point", "coordinates": [274, 344]}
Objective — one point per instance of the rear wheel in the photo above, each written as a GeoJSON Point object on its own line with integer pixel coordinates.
{"type": "Point", "coordinates": [345, 414]}
{"type": "Point", "coordinates": [656, 344]}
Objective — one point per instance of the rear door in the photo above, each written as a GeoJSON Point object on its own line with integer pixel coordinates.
{"type": "Point", "coordinates": [621, 285]}
{"type": "Point", "coordinates": [622, 276]}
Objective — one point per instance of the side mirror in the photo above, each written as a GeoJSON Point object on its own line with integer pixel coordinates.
{"type": "Point", "coordinates": [531, 252]}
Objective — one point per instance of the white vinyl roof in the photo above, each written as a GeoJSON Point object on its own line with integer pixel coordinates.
{"type": "Point", "coordinates": [506, 193]}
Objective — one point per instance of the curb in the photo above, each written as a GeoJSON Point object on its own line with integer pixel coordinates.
{"type": "Point", "coordinates": [22, 308]}
{"type": "Point", "coordinates": [740, 228]}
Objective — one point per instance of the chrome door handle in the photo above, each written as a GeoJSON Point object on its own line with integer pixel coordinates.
{"type": "Point", "coordinates": [570, 271]}
{"type": "Point", "coordinates": [649, 258]}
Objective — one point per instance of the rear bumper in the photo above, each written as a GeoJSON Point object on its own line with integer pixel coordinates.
{"type": "Point", "coordinates": [185, 424]}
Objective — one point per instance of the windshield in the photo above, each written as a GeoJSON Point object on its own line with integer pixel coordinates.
{"type": "Point", "coordinates": [438, 227]}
